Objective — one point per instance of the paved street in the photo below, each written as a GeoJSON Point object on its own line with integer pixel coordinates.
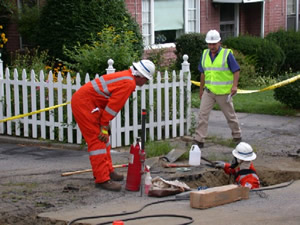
{"type": "Point", "coordinates": [269, 134]}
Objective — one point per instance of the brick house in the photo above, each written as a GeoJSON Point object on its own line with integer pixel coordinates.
{"type": "Point", "coordinates": [162, 21]}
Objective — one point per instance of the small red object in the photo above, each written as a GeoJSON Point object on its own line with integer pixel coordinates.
{"type": "Point", "coordinates": [133, 180]}
{"type": "Point", "coordinates": [118, 222]}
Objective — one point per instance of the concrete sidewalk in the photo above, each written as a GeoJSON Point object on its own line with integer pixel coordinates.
{"type": "Point", "coordinates": [274, 207]}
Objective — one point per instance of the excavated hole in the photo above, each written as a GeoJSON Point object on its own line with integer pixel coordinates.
{"type": "Point", "coordinates": [216, 178]}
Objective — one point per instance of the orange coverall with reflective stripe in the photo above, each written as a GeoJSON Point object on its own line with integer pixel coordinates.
{"type": "Point", "coordinates": [94, 105]}
{"type": "Point", "coordinates": [250, 180]}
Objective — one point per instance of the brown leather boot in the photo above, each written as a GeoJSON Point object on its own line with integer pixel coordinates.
{"type": "Point", "coordinates": [116, 176]}
{"type": "Point", "coordinates": [109, 185]}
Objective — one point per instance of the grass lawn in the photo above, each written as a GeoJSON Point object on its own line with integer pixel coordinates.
{"type": "Point", "coordinates": [260, 103]}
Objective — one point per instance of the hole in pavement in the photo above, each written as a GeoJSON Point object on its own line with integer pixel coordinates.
{"type": "Point", "coordinates": [219, 177]}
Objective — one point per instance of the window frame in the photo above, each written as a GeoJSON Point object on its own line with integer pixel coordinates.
{"type": "Point", "coordinates": [187, 22]}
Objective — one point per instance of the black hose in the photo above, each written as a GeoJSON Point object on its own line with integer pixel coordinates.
{"type": "Point", "coordinates": [272, 188]}
{"type": "Point", "coordinates": [151, 216]}
{"type": "Point", "coordinates": [133, 212]}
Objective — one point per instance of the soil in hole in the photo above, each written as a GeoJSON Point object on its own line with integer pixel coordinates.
{"type": "Point", "coordinates": [219, 177]}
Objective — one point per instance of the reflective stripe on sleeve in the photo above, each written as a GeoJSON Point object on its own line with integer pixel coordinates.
{"type": "Point", "coordinates": [97, 152]}
{"type": "Point", "coordinates": [110, 111]}
{"type": "Point", "coordinates": [118, 79]}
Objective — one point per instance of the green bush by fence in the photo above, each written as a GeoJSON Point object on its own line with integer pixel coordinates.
{"type": "Point", "coordinates": [289, 94]}
{"type": "Point", "coordinates": [71, 21]}
{"type": "Point", "coordinates": [268, 56]}
{"type": "Point", "coordinates": [289, 41]}
{"type": "Point", "coordinates": [193, 45]}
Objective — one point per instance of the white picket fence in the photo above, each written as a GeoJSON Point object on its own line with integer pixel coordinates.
{"type": "Point", "coordinates": [167, 101]}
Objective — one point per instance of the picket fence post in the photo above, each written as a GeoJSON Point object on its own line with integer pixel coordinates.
{"type": "Point", "coordinates": [1, 95]}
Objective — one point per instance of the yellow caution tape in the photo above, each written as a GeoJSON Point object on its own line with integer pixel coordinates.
{"type": "Point", "coordinates": [35, 112]}
{"type": "Point", "coordinates": [280, 84]}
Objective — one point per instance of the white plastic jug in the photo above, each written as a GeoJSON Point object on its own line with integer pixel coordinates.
{"type": "Point", "coordinates": [195, 155]}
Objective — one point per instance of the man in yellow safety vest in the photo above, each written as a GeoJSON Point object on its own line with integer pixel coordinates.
{"type": "Point", "coordinates": [219, 81]}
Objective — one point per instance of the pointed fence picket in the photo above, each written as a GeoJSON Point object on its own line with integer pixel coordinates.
{"type": "Point", "coordinates": [167, 101]}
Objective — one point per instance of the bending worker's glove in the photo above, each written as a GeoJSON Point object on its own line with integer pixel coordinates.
{"type": "Point", "coordinates": [219, 164]}
{"type": "Point", "coordinates": [104, 134]}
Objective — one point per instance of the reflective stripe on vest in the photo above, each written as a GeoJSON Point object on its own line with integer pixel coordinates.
{"type": "Point", "coordinates": [96, 88]}
{"type": "Point", "coordinates": [105, 91]}
{"type": "Point", "coordinates": [97, 152]}
{"type": "Point", "coordinates": [218, 77]}
{"type": "Point", "coordinates": [242, 176]}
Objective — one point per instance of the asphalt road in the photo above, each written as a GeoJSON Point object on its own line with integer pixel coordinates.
{"type": "Point", "coordinates": [269, 134]}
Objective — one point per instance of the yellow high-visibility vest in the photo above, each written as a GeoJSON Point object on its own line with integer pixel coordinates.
{"type": "Point", "coordinates": [218, 76]}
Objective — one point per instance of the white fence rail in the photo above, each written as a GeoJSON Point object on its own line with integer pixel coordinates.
{"type": "Point", "coordinates": [167, 101]}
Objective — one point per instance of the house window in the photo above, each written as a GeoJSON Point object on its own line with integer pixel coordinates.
{"type": "Point", "coordinates": [227, 21]}
{"type": "Point", "coordinates": [291, 14]}
{"type": "Point", "coordinates": [163, 21]}
{"type": "Point", "coordinates": [193, 25]}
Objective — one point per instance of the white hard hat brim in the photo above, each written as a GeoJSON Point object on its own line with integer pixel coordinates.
{"type": "Point", "coordinates": [244, 157]}
{"type": "Point", "coordinates": [213, 41]}
{"type": "Point", "coordinates": [141, 70]}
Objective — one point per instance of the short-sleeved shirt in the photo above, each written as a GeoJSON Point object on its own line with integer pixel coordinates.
{"type": "Point", "coordinates": [231, 61]}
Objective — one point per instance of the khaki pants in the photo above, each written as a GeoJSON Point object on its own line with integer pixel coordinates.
{"type": "Point", "coordinates": [207, 103]}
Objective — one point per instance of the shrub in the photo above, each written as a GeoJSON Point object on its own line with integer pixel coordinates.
{"type": "Point", "coordinates": [193, 45]}
{"type": "Point", "coordinates": [107, 44]}
{"type": "Point", "coordinates": [29, 60]}
{"type": "Point", "coordinates": [289, 94]}
{"type": "Point", "coordinates": [71, 21]}
{"type": "Point", "coordinates": [247, 72]}
{"type": "Point", "coordinates": [28, 20]}
{"type": "Point", "coordinates": [289, 43]}
{"type": "Point", "coordinates": [268, 56]}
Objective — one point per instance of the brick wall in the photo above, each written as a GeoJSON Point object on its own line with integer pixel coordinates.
{"type": "Point", "coordinates": [250, 18]}
{"type": "Point", "coordinates": [135, 9]}
{"type": "Point", "coordinates": [13, 36]}
{"type": "Point", "coordinates": [209, 16]}
{"type": "Point", "coordinates": [275, 15]}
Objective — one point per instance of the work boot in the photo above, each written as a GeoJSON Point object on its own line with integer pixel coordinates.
{"type": "Point", "coordinates": [116, 176]}
{"type": "Point", "coordinates": [200, 144]}
{"type": "Point", "coordinates": [237, 140]}
{"type": "Point", "coordinates": [109, 185]}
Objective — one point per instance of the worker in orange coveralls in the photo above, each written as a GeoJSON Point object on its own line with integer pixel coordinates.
{"type": "Point", "coordinates": [95, 104]}
{"type": "Point", "coordinates": [242, 167]}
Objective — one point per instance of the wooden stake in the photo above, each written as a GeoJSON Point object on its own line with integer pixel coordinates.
{"type": "Point", "coordinates": [89, 170]}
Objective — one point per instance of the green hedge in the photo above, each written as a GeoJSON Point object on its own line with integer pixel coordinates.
{"type": "Point", "coordinates": [71, 21]}
{"type": "Point", "coordinates": [289, 41]}
{"type": "Point", "coordinates": [193, 45]}
{"type": "Point", "coordinates": [289, 94]}
{"type": "Point", "coordinates": [268, 56]}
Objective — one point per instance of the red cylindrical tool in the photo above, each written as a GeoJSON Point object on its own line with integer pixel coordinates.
{"type": "Point", "coordinates": [133, 180]}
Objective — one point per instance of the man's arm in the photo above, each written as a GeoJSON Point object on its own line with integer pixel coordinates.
{"type": "Point", "coordinates": [236, 76]}
{"type": "Point", "coordinates": [202, 83]}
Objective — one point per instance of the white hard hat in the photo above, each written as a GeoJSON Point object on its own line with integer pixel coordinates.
{"type": "Point", "coordinates": [244, 151]}
{"type": "Point", "coordinates": [212, 37]}
{"type": "Point", "coordinates": [145, 67]}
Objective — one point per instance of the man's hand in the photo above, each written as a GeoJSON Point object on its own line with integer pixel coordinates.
{"type": "Point", "coordinates": [104, 134]}
{"type": "Point", "coordinates": [219, 164]}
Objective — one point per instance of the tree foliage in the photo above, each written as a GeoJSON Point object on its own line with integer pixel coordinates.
{"type": "Point", "coordinates": [69, 22]}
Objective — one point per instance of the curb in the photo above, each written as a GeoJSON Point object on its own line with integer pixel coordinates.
{"type": "Point", "coordinates": [36, 142]}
